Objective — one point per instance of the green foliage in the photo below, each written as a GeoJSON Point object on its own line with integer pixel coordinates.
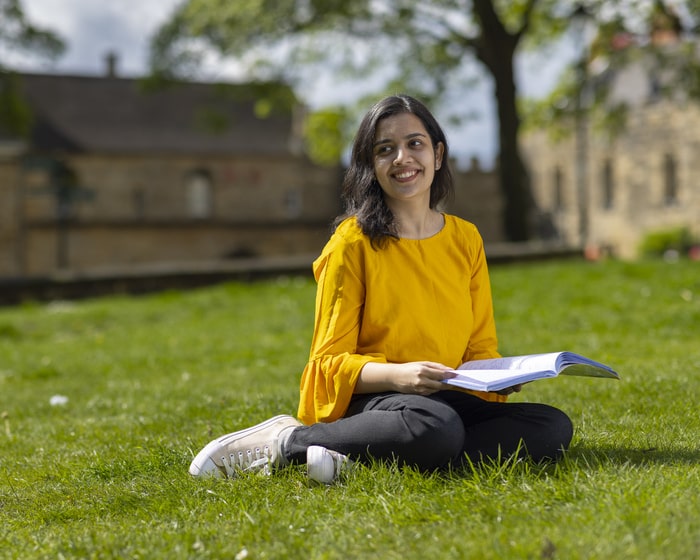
{"type": "Point", "coordinates": [429, 41]}
{"type": "Point", "coordinates": [151, 379]}
{"type": "Point", "coordinates": [557, 111]}
{"type": "Point", "coordinates": [325, 132]}
{"type": "Point", "coordinates": [15, 115]}
{"type": "Point", "coordinates": [614, 48]}
{"type": "Point", "coordinates": [543, 20]}
{"type": "Point", "coordinates": [657, 243]}
{"type": "Point", "coordinates": [425, 49]}
{"type": "Point", "coordinates": [554, 112]}
{"type": "Point", "coordinates": [428, 44]}
{"type": "Point", "coordinates": [18, 34]}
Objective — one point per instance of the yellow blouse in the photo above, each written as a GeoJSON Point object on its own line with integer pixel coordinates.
{"type": "Point", "coordinates": [412, 300]}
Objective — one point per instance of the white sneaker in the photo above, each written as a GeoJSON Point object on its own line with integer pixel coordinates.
{"type": "Point", "coordinates": [324, 465]}
{"type": "Point", "coordinates": [252, 449]}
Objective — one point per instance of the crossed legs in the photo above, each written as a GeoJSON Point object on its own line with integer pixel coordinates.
{"type": "Point", "coordinates": [436, 431]}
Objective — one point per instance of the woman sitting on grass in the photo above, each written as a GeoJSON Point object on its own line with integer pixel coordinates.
{"type": "Point", "coordinates": [403, 297]}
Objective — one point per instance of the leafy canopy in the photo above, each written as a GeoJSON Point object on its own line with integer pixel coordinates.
{"type": "Point", "coordinates": [18, 34]}
{"type": "Point", "coordinates": [428, 49]}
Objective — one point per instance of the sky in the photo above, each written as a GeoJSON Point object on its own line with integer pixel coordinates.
{"type": "Point", "coordinates": [93, 28]}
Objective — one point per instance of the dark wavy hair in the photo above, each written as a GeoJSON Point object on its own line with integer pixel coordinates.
{"type": "Point", "coordinates": [362, 195]}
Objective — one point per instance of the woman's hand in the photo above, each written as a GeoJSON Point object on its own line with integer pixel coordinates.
{"type": "Point", "coordinates": [420, 378]}
{"type": "Point", "coordinates": [510, 390]}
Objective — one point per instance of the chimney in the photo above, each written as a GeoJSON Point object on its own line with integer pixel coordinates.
{"type": "Point", "coordinates": [111, 60]}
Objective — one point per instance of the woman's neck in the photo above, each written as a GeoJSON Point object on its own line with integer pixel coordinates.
{"type": "Point", "coordinates": [418, 224]}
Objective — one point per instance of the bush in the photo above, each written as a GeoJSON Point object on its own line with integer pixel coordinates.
{"type": "Point", "coordinates": [658, 243]}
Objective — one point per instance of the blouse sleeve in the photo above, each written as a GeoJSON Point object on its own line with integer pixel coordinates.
{"type": "Point", "coordinates": [329, 378]}
{"type": "Point", "coordinates": [483, 342]}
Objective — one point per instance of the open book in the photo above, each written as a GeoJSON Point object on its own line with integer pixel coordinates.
{"type": "Point", "coordinates": [499, 373]}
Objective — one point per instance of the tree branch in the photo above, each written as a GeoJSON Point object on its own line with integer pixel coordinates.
{"type": "Point", "coordinates": [527, 19]}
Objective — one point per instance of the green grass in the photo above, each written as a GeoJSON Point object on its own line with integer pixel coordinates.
{"type": "Point", "coordinates": [150, 380]}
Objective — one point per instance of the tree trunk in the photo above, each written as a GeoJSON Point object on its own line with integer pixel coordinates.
{"type": "Point", "coordinates": [497, 51]}
{"type": "Point", "coordinates": [515, 182]}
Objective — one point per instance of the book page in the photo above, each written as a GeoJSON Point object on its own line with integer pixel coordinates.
{"type": "Point", "coordinates": [587, 370]}
{"type": "Point", "coordinates": [494, 379]}
{"type": "Point", "coordinates": [533, 362]}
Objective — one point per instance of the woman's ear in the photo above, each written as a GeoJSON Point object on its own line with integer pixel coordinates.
{"type": "Point", "coordinates": [439, 151]}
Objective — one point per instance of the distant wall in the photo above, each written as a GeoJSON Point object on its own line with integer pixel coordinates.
{"type": "Point", "coordinates": [645, 179]}
{"type": "Point", "coordinates": [93, 247]}
{"type": "Point", "coordinates": [130, 211]}
{"type": "Point", "coordinates": [135, 210]}
{"type": "Point", "coordinates": [165, 188]}
{"type": "Point", "coordinates": [10, 241]}
{"type": "Point", "coordinates": [478, 199]}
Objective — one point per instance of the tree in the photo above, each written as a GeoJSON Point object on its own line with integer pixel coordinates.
{"type": "Point", "coordinates": [423, 48]}
{"type": "Point", "coordinates": [18, 34]}
{"type": "Point", "coordinates": [652, 36]}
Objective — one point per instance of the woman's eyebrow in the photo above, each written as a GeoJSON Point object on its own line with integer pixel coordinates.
{"type": "Point", "coordinates": [407, 137]}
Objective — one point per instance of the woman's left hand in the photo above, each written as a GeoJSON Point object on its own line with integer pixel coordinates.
{"type": "Point", "coordinates": [510, 390]}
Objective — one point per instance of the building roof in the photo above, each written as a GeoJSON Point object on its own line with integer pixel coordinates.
{"type": "Point", "coordinates": [121, 115]}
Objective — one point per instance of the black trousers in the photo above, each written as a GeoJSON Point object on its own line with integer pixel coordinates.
{"type": "Point", "coordinates": [437, 431]}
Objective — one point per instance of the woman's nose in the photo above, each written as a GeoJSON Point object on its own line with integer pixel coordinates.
{"type": "Point", "coordinates": [400, 157]}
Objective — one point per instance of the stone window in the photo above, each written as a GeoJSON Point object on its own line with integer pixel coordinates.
{"type": "Point", "coordinates": [138, 199]}
{"type": "Point", "coordinates": [558, 189]}
{"type": "Point", "coordinates": [608, 184]}
{"type": "Point", "coordinates": [293, 203]}
{"type": "Point", "coordinates": [199, 193]}
{"type": "Point", "coordinates": [670, 180]}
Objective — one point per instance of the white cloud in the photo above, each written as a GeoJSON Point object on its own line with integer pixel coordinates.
{"type": "Point", "coordinates": [91, 29]}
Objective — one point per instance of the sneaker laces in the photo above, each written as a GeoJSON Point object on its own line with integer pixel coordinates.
{"type": "Point", "coordinates": [250, 460]}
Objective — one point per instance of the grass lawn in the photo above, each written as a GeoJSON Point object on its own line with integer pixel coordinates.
{"type": "Point", "coordinates": [150, 380]}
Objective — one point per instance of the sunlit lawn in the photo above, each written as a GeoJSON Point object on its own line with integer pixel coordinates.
{"type": "Point", "coordinates": [149, 380]}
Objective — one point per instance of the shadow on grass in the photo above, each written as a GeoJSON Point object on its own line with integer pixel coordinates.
{"type": "Point", "coordinates": [621, 455]}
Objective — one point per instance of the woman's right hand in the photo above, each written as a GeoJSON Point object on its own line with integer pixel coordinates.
{"type": "Point", "coordinates": [419, 378]}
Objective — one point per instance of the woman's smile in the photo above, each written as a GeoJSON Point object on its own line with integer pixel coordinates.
{"type": "Point", "coordinates": [406, 175]}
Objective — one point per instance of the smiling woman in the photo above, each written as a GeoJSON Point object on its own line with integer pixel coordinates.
{"type": "Point", "coordinates": [403, 296]}
{"type": "Point", "coordinates": [405, 162]}
{"type": "Point", "coordinates": [400, 148]}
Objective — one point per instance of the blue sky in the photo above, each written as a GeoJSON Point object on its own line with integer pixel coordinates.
{"type": "Point", "coordinates": [92, 28]}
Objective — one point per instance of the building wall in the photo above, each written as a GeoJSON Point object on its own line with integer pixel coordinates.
{"type": "Point", "coordinates": [163, 188]}
{"type": "Point", "coordinates": [478, 199]}
{"type": "Point", "coordinates": [145, 211]}
{"type": "Point", "coordinates": [94, 248]}
{"type": "Point", "coordinates": [138, 210]}
{"type": "Point", "coordinates": [658, 146]}
{"type": "Point", "coordinates": [10, 238]}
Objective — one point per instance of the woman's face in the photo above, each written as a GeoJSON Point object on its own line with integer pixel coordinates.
{"type": "Point", "coordinates": [405, 159]}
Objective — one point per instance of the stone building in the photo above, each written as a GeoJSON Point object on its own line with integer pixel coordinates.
{"type": "Point", "coordinates": [115, 176]}
{"type": "Point", "coordinates": [609, 191]}
{"type": "Point", "coordinates": [642, 182]}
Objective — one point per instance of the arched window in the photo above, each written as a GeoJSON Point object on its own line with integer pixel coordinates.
{"type": "Point", "coordinates": [198, 190]}
{"type": "Point", "coordinates": [608, 184]}
{"type": "Point", "coordinates": [670, 180]}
